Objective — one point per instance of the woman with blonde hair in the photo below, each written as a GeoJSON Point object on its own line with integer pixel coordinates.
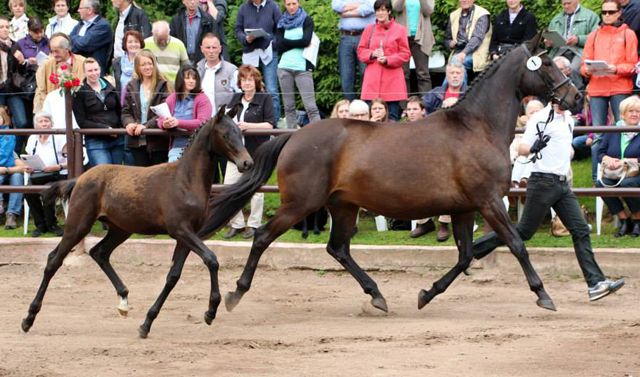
{"type": "Point", "coordinates": [341, 109]}
{"type": "Point", "coordinates": [148, 88]}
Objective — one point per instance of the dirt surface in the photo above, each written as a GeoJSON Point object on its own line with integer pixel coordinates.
{"type": "Point", "coordinates": [306, 323]}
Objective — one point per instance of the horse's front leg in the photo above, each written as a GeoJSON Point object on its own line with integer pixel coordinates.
{"type": "Point", "coordinates": [463, 234]}
{"type": "Point", "coordinates": [179, 257]}
{"type": "Point", "coordinates": [191, 240]}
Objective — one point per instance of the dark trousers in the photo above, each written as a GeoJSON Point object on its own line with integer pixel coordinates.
{"type": "Point", "coordinates": [143, 158]}
{"type": "Point", "coordinates": [545, 191]}
{"type": "Point", "coordinates": [44, 216]}
{"type": "Point", "coordinates": [421, 61]}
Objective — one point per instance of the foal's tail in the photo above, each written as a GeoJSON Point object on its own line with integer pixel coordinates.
{"type": "Point", "coordinates": [60, 189]}
{"type": "Point", "coordinates": [232, 199]}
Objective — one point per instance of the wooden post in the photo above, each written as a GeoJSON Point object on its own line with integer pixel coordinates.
{"type": "Point", "coordinates": [71, 145]}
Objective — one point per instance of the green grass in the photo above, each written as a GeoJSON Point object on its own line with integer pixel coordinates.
{"type": "Point", "coordinates": [367, 234]}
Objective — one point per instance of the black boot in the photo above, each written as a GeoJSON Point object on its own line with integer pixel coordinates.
{"type": "Point", "coordinates": [635, 232]}
{"type": "Point", "coordinates": [625, 227]}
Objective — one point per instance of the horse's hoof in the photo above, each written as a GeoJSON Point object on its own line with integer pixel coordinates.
{"type": "Point", "coordinates": [380, 303]}
{"type": "Point", "coordinates": [231, 300]}
{"type": "Point", "coordinates": [142, 333]}
{"type": "Point", "coordinates": [305, 235]}
{"type": "Point", "coordinates": [423, 299]}
{"type": "Point", "coordinates": [208, 318]}
{"type": "Point", "coordinates": [25, 326]}
{"type": "Point", "coordinates": [123, 313]}
{"type": "Point", "coordinates": [546, 304]}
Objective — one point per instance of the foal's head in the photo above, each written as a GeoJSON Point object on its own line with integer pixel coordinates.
{"type": "Point", "coordinates": [542, 78]}
{"type": "Point", "coordinates": [226, 140]}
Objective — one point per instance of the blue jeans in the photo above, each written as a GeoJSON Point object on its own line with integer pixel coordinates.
{"type": "Point", "coordinates": [579, 145]}
{"type": "Point", "coordinates": [102, 151]}
{"type": "Point", "coordinates": [599, 110]}
{"type": "Point", "coordinates": [15, 199]}
{"type": "Point", "coordinates": [348, 61]}
{"type": "Point", "coordinates": [18, 115]}
{"type": "Point", "coordinates": [270, 75]}
{"type": "Point", "coordinates": [175, 154]}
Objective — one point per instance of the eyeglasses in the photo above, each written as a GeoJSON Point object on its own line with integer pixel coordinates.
{"type": "Point", "coordinates": [609, 12]}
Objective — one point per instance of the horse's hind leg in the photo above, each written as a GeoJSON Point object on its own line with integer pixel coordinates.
{"type": "Point", "coordinates": [285, 218]}
{"type": "Point", "coordinates": [179, 257]}
{"type": "Point", "coordinates": [495, 213]}
{"type": "Point", "coordinates": [101, 253]}
{"type": "Point", "coordinates": [77, 226]}
{"type": "Point", "coordinates": [463, 234]}
{"type": "Point", "coordinates": [344, 221]}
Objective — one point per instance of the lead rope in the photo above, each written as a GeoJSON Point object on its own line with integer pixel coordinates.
{"type": "Point", "coordinates": [541, 136]}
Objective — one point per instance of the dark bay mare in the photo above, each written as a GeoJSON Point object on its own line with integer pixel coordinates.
{"type": "Point", "coordinates": [163, 199]}
{"type": "Point", "coordinates": [455, 161]}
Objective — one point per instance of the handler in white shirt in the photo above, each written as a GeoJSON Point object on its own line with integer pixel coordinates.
{"type": "Point", "coordinates": [548, 187]}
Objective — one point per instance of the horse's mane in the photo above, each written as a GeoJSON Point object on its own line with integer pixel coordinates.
{"type": "Point", "coordinates": [192, 138]}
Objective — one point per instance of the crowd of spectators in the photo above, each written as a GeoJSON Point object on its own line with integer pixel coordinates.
{"type": "Point", "coordinates": [138, 64]}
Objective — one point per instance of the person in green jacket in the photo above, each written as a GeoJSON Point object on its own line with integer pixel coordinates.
{"type": "Point", "coordinates": [574, 24]}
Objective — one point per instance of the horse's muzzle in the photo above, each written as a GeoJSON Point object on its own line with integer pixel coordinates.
{"type": "Point", "coordinates": [244, 165]}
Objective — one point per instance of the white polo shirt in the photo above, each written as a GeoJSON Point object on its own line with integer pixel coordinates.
{"type": "Point", "coordinates": [556, 156]}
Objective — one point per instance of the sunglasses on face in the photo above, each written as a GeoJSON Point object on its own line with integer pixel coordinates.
{"type": "Point", "coordinates": [609, 12]}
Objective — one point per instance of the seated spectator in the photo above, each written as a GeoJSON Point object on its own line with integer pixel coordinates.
{"type": "Point", "coordinates": [50, 149]}
{"type": "Point", "coordinates": [11, 169]}
{"type": "Point", "coordinates": [468, 36]}
{"type": "Point", "coordinates": [379, 111]}
{"type": "Point", "coordinates": [521, 166]}
{"type": "Point", "coordinates": [341, 109]}
{"type": "Point", "coordinates": [293, 35]}
{"type": "Point", "coordinates": [190, 108]}
{"type": "Point", "coordinates": [513, 26]}
{"type": "Point", "coordinates": [60, 57]}
{"type": "Point", "coordinates": [416, 111]}
{"type": "Point", "coordinates": [255, 113]}
{"type": "Point", "coordinates": [97, 105]}
{"type": "Point", "coordinates": [92, 37]}
{"type": "Point", "coordinates": [453, 87]}
{"type": "Point", "coordinates": [169, 52]}
{"type": "Point", "coordinates": [149, 88]}
{"type": "Point", "coordinates": [359, 110]}
{"type": "Point", "coordinates": [384, 48]}
{"type": "Point", "coordinates": [189, 25]}
{"type": "Point", "coordinates": [132, 43]}
{"type": "Point", "coordinates": [62, 22]}
{"type": "Point", "coordinates": [9, 65]}
{"type": "Point", "coordinates": [615, 148]}
{"type": "Point", "coordinates": [55, 105]}
{"type": "Point", "coordinates": [18, 25]}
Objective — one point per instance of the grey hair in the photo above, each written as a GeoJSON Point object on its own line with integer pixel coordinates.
{"type": "Point", "coordinates": [534, 102]}
{"type": "Point", "coordinates": [65, 41]}
{"type": "Point", "coordinates": [94, 5]}
{"type": "Point", "coordinates": [357, 106]}
{"type": "Point", "coordinates": [454, 63]}
{"type": "Point", "coordinates": [565, 62]}
{"type": "Point", "coordinates": [160, 26]}
{"type": "Point", "coordinates": [41, 114]}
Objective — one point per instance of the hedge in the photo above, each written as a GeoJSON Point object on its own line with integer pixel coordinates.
{"type": "Point", "coordinates": [327, 78]}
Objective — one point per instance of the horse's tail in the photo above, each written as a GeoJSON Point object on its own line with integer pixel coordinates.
{"type": "Point", "coordinates": [60, 189]}
{"type": "Point", "coordinates": [232, 199]}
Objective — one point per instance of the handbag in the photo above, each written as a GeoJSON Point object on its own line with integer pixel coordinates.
{"type": "Point", "coordinates": [43, 177]}
{"type": "Point", "coordinates": [629, 168]}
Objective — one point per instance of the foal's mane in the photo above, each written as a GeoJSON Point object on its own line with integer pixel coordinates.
{"type": "Point", "coordinates": [193, 137]}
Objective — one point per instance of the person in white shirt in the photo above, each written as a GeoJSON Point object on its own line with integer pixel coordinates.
{"type": "Point", "coordinates": [62, 22]}
{"type": "Point", "coordinates": [547, 187]}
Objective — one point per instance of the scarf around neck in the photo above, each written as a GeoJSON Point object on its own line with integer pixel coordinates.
{"type": "Point", "coordinates": [626, 136]}
{"type": "Point", "coordinates": [291, 21]}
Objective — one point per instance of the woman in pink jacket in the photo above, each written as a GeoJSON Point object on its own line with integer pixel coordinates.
{"type": "Point", "coordinates": [384, 48]}
{"type": "Point", "coordinates": [189, 108]}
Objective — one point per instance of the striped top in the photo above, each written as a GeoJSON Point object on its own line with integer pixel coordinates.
{"type": "Point", "coordinates": [171, 58]}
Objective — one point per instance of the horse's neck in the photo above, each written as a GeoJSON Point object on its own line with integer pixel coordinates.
{"type": "Point", "coordinates": [196, 165]}
{"type": "Point", "coordinates": [493, 99]}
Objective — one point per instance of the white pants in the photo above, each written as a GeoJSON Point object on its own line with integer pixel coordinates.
{"type": "Point", "coordinates": [521, 169]}
{"type": "Point", "coordinates": [445, 219]}
{"type": "Point", "coordinates": [232, 175]}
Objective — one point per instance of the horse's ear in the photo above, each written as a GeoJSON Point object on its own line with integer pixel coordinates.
{"type": "Point", "coordinates": [220, 113]}
{"type": "Point", "coordinates": [234, 110]}
{"type": "Point", "coordinates": [534, 42]}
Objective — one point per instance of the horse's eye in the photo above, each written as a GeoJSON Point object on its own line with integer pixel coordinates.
{"type": "Point", "coordinates": [225, 136]}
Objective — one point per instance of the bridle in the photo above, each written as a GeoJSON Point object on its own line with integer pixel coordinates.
{"type": "Point", "coordinates": [548, 81]}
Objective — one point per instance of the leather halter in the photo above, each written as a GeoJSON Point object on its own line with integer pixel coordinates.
{"type": "Point", "coordinates": [548, 81]}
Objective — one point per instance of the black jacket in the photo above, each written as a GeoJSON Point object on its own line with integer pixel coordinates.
{"type": "Point", "coordinates": [260, 110]}
{"type": "Point", "coordinates": [12, 66]}
{"type": "Point", "coordinates": [283, 45]}
{"type": "Point", "coordinates": [178, 28]}
{"type": "Point", "coordinates": [524, 27]}
{"type": "Point", "coordinates": [137, 19]}
{"type": "Point", "coordinates": [91, 112]}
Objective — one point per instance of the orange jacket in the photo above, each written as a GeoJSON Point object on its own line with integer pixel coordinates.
{"type": "Point", "coordinates": [617, 46]}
